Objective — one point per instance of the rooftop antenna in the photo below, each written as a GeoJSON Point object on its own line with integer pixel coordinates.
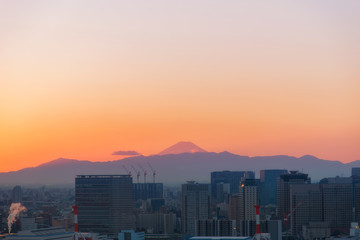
{"type": "Point", "coordinates": [144, 171]}
{"type": "Point", "coordinates": [137, 173]}
{"type": "Point", "coordinates": [153, 172]}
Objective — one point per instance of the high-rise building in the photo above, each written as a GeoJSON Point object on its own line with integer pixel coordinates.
{"type": "Point", "coordinates": [338, 203]}
{"type": "Point", "coordinates": [305, 206]}
{"type": "Point", "coordinates": [231, 177]}
{"type": "Point", "coordinates": [195, 200]}
{"type": "Point", "coordinates": [248, 198]}
{"type": "Point", "coordinates": [356, 202]}
{"type": "Point", "coordinates": [234, 207]}
{"type": "Point", "coordinates": [283, 190]}
{"type": "Point", "coordinates": [234, 210]}
{"type": "Point", "coordinates": [105, 203]}
{"type": "Point", "coordinates": [222, 192]}
{"type": "Point", "coordinates": [268, 181]}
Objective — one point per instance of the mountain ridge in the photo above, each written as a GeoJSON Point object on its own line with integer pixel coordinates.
{"type": "Point", "coordinates": [174, 169]}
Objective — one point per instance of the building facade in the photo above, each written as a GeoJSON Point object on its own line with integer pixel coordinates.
{"type": "Point", "coordinates": [105, 203]}
{"type": "Point", "coordinates": [215, 227]}
{"type": "Point", "coordinates": [147, 190]}
{"type": "Point", "coordinates": [305, 206]}
{"type": "Point", "coordinates": [195, 200]}
{"type": "Point", "coordinates": [248, 198]}
{"type": "Point", "coordinates": [338, 204]}
{"type": "Point", "coordinates": [268, 181]}
{"type": "Point", "coordinates": [283, 190]}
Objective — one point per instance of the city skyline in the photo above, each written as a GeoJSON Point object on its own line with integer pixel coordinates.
{"type": "Point", "coordinates": [84, 79]}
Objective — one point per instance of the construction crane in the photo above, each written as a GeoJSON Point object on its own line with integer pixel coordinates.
{"type": "Point", "coordinates": [144, 171]}
{"type": "Point", "coordinates": [127, 170]}
{"type": "Point", "coordinates": [137, 173]}
{"type": "Point", "coordinates": [286, 217]}
{"type": "Point", "coordinates": [286, 233]}
{"type": "Point", "coordinates": [153, 172]}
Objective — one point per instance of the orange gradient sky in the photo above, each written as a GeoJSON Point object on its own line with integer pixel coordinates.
{"type": "Point", "coordinates": [82, 79]}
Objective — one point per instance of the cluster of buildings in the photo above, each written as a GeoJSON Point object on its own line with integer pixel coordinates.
{"type": "Point", "coordinates": [291, 207]}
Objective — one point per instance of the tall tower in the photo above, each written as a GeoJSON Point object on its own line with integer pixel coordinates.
{"type": "Point", "coordinates": [104, 203]}
{"type": "Point", "coordinates": [305, 206]}
{"type": "Point", "coordinates": [248, 198]}
{"type": "Point", "coordinates": [283, 190]}
{"type": "Point", "coordinates": [338, 203]}
{"type": "Point", "coordinates": [195, 200]}
{"type": "Point", "coordinates": [268, 181]}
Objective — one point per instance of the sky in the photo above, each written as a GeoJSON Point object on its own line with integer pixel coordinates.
{"type": "Point", "coordinates": [83, 79]}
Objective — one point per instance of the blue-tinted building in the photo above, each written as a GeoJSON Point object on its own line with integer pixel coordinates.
{"type": "Point", "coordinates": [268, 183]}
{"type": "Point", "coordinates": [355, 171]}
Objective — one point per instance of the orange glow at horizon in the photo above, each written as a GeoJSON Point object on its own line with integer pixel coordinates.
{"type": "Point", "coordinates": [82, 80]}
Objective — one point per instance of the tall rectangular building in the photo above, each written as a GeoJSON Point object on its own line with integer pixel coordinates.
{"type": "Point", "coordinates": [105, 203]}
{"type": "Point", "coordinates": [268, 181]}
{"type": "Point", "coordinates": [195, 200]}
{"type": "Point", "coordinates": [356, 202]}
{"type": "Point", "coordinates": [283, 190]}
{"type": "Point", "coordinates": [305, 206]}
{"type": "Point", "coordinates": [248, 198]}
{"type": "Point", "coordinates": [338, 203]}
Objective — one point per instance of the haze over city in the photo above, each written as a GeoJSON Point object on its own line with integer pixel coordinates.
{"type": "Point", "coordinates": [85, 79]}
{"type": "Point", "coordinates": [179, 120]}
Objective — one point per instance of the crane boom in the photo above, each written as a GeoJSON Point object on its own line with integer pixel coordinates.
{"type": "Point", "coordinates": [144, 171]}
{"type": "Point", "coordinates": [153, 172]}
{"type": "Point", "coordinates": [137, 173]}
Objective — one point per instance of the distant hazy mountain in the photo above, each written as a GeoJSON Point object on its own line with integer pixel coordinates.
{"type": "Point", "coordinates": [182, 147]}
{"type": "Point", "coordinates": [175, 168]}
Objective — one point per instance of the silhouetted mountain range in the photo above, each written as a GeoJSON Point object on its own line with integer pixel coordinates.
{"type": "Point", "coordinates": [174, 169]}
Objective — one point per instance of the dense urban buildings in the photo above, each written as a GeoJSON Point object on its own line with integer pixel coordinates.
{"type": "Point", "coordinates": [232, 178]}
{"type": "Point", "coordinates": [105, 203]}
{"type": "Point", "coordinates": [195, 200]}
{"type": "Point", "coordinates": [325, 209]}
{"type": "Point", "coordinates": [215, 227]}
